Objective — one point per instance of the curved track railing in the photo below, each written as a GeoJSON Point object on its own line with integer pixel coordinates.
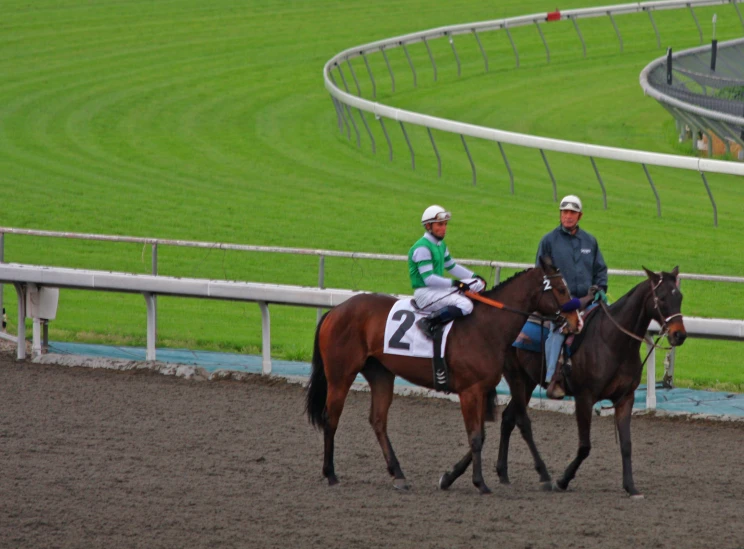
{"type": "Point", "coordinates": [345, 102]}
{"type": "Point", "coordinates": [728, 127]}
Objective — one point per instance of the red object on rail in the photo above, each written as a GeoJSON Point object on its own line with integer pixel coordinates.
{"type": "Point", "coordinates": [554, 16]}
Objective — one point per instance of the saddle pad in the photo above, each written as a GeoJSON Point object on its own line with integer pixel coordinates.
{"type": "Point", "coordinates": [403, 337]}
{"type": "Point", "coordinates": [529, 338]}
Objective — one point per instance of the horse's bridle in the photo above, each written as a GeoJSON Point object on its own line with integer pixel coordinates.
{"type": "Point", "coordinates": [664, 321]}
{"type": "Point", "coordinates": [558, 318]}
{"type": "Point", "coordinates": [657, 307]}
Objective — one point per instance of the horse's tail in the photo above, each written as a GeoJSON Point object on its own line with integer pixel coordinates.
{"type": "Point", "coordinates": [317, 388]}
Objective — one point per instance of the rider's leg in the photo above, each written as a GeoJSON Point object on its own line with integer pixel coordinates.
{"type": "Point", "coordinates": [451, 305]}
{"type": "Point", "coordinates": [436, 320]}
{"type": "Point", "coordinates": [553, 346]}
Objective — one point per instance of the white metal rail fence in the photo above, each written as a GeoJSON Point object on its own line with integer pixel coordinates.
{"type": "Point", "coordinates": [346, 103]}
{"type": "Point", "coordinates": [27, 278]}
{"type": "Point", "coordinates": [727, 126]}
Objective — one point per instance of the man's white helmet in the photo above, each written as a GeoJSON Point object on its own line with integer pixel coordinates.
{"type": "Point", "coordinates": [435, 213]}
{"type": "Point", "coordinates": [571, 202]}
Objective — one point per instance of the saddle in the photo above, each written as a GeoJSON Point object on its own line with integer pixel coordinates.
{"type": "Point", "coordinates": [403, 337]}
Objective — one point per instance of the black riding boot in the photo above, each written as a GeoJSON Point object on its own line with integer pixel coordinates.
{"type": "Point", "coordinates": [431, 324]}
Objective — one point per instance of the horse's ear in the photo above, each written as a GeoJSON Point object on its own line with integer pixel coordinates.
{"type": "Point", "coordinates": [675, 274]}
{"type": "Point", "coordinates": [651, 275]}
{"type": "Point", "coordinates": [546, 262]}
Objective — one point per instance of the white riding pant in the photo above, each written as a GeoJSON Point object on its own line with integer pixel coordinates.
{"type": "Point", "coordinates": [433, 299]}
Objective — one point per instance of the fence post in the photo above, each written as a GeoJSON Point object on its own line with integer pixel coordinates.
{"type": "Point", "coordinates": [154, 297]}
{"type": "Point", "coordinates": [151, 325]}
{"type": "Point", "coordinates": [431, 58]}
{"type": "Point", "coordinates": [483, 52]}
{"type": "Point", "coordinates": [545, 43]}
{"type": "Point", "coordinates": [321, 284]}
{"type": "Point", "coordinates": [21, 341]}
{"type": "Point", "coordinates": [651, 378]}
{"type": "Point", "coordinates": [265, 338]}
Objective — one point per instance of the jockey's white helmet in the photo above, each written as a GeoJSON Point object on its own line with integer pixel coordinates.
{"type": "Point", "coordinates": [435, 213]}
{"type": "Point", "coordinates": [571, 202]}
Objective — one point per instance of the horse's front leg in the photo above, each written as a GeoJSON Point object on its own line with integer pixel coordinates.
{"type": "Point", "coordinates": [448, 478]}
{"type": "Point", "coordinates": [623, 410]}
{"type": "Point", "coordinates": [516, 415]}
{"type": "Point", "coordinates": [472, 405]}
{"type": "Point", "coordinates": [584, 421]}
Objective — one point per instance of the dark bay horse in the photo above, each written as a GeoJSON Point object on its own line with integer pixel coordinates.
{"type": "Point", "coordinates": [349, 341]}
{"type": "Point", "coordinates": [606, 365]}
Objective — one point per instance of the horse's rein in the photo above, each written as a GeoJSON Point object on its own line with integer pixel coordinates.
{"type": "Point", "coordinates": [503, 307]}
{"type": "Point", "coordinates": [494, 303]}
{"type": "Point", "coordinates": [648, 340]}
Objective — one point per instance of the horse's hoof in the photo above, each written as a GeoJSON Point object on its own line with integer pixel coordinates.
{"type": "Point", "coordinates": [637, 497]}
{"type": "Point", "coordinates": [400, 484]}
{"type": "Point", "coordinates": [546, 486]}
{"type": "Point", "coordinates": [332, 481]}
{"type": "Point", "coordinates": [483, 488]}
{"type": "Point", "coordinates": [557, 487]}
{"type": "Point", "coordinates": [444, 482]}
{"type": "Point", "coordinates": [505, 481]}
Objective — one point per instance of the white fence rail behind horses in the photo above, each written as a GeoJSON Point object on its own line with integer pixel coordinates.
{"type": "Point", "coordinates": [31, 278]}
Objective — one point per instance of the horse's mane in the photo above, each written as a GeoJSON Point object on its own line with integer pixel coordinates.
{"type": "Point", "coordinates": [620, 303]}
{"type": "Point", "coordinates": [509, 280]}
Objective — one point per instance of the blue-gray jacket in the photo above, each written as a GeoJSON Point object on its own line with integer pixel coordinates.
{"type": "Point", "coordinates": [577, 256]}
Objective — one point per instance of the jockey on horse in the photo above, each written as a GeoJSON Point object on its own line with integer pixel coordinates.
{"type": "Point", "coordinates": [428, 258]}
{"type": "Point", "coordinates": [576, 253]}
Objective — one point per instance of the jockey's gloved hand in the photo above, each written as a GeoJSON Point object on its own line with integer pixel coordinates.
{"type": "Point", "coordinates": [593, 290]}
{"type": "Point", "coordinates": [477, 285]}
{"type": "Point", "coordinates": [481, 279]}
{"type": "Point", "coordinates": [601, 296]}
{"type": "Point", "coordinates": [461, 285]}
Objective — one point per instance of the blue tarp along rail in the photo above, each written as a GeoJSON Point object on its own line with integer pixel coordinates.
{"type": "Point", "coordinates": [690, 401]}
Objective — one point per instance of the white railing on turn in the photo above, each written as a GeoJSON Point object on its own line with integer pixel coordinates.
{"type": "Point", "coordinates": [661, 97]}
{"type": "Point", "coordinates": [30, 278]}
{"type": "Point", "coordinates": [344, 101]}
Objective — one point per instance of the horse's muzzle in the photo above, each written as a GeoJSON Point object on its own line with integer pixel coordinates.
{"type": "Point", "coordinates": [677, 337]}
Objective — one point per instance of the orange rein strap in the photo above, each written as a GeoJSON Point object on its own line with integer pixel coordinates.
{"type": "Point", "coordinates": [491, 302]}
{"type": "Point", "coordinates": [498, 304]}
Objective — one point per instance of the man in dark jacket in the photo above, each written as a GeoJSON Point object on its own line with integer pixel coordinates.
{"type": "Point", "coordinates": [576, 253]}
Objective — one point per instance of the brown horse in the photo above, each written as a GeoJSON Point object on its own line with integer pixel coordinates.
{"type": "Point", "coordinates": [606, 365]}
{"type": "Point", "coordinates": [349, 341]}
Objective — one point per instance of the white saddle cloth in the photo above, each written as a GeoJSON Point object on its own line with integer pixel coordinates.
{"type": "Point", "coordinates": [403, 337]}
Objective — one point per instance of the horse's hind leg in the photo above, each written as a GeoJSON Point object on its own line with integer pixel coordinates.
{"type": "Point", "coordinates": [623, 410]}
{"type": "Point", "coordinates": [381, 383]}
{"type": "Point", "coordinates": [338, 389]}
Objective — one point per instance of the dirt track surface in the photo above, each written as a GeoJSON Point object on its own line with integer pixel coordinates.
{"type": "Point", "coordinates": [101, 459]}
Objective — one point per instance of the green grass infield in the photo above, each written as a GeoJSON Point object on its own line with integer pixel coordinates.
{"type": "Point", "coordinates": [209, 121]}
